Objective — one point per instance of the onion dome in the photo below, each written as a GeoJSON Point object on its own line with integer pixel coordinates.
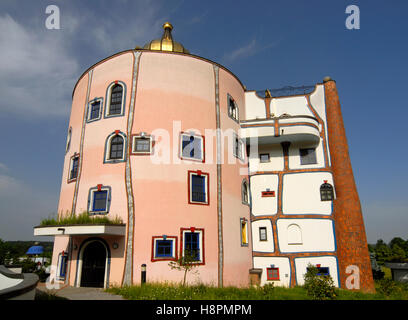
{"type": "Point", "coordinates": [166, 42]}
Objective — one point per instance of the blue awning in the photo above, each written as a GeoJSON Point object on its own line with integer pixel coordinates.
{"type": "Point", "coordinates": [35, 250]}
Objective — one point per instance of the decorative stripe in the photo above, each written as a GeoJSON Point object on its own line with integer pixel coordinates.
{"type": "Point", "coordinates": [219, 192]}
{"type": "Point", "coordinates": [128, 272]}
{"type": "Point", "coordinates": [81, 146]}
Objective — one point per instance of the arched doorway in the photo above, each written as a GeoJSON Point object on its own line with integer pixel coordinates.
{"type": "Point", "coordinates": [93, 265]}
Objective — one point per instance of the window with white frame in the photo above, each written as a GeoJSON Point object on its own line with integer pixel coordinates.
{"type": "Point", "coordinates": [115, 99]}
{"type": "Point", "coordinates": [238, 147]}
{"type": "Point", "coordinates": [115, 147]}
{"type": "Point", "coordinates": [99, 200]}
{"type": "Point", "coordinates": [73, 167]}
{"type": "Point", "coordinates": [193, 245]}
{"type": "Point", "coordinates": [232, 109]}
{"type": "Point", "coordinates": [164, 248]}
{"type": "Point", "coordinates": [95, 109]}
{"type": "Point", "coordinates": [198, 187]}
{"type": "Point", "coordinates": [307, 156]}
{"type": "Point", "coordinates": [262, 234]}
{"type": "Point", "coordinates": [142, 144]}
{"type": "Point", "coordinates": [191, 147]}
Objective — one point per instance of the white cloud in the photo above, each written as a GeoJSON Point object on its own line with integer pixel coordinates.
{"type": "Point", "coordinates": [35, 71]}
{"type": "Point", "coordinates": [246, 50]}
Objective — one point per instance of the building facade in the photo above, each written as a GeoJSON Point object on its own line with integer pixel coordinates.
{"type": "Point", "coordinates": [194, 165]}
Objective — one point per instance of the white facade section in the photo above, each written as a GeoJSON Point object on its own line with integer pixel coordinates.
{"type": "Point", "coordinates": [319, 105]}
{"type": "Point", "coordinates": [292, 106]}
{"type": "Point", "coordinates": [255, 106]}
{"type": "Point", "coordinates": [278, 262]}
{"type": "Point", "coordinates": [305, 235]}
{"type": "Point", "coordinates": [257, 244]}
{"type": "Point", "coordinates": [294, 156]}
{"type": "Point", "coordinates": [324, 261]}
{"type": "Point", "coordinates": [301, 193]}
{"type": "Point", "coordinates": [118, 230]}
{"type": "Point", "coordinates": [275, 163]}
{"type": "Point", "coordinates": [264, 205]}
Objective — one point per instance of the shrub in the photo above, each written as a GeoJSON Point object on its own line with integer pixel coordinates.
{"type": "Point", "coordinates": [319, 287]}
{"type": "Point", "coordinates": [387, 286]}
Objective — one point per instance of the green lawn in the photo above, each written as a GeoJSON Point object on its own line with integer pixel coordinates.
{"type": "Point", "coordinates": [153, 291]}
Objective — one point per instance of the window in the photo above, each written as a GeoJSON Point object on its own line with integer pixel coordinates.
{"type": "Point", "coordinates": [142, 144]}
{"type": "Point", "coordinates": [115, 147]}
{"type": "Point", "coordinates": [321, 271]}
{"type": "Point", "coordinates": [238, 148]}
{"type": "Point", "coordinates": [192, 147]}
{"type": "Point", "coordinates": [73, 169]}
{"type": "Point", "coordinates": [115, 99]}
{"type": "Point", "coordinates": [294, 234]}
{"type": "Point", "coordinates": [244, 232]}
{"type": "Point", "coordinates": [262, 234]}
{"type": "Point", "coordinates": [307, 156]}
{"type": "Point", "coordinates": [68, 139]}
{"type": "Point", "coordinates": [198, 185]}
{"type": "Point", "coordinates": [232, 109]}
{"type": "Point", "coordinates": [164, 248]}
{"type": "Point", "coordinates": [94, 109]}
{"type": "Point", "coordinates": [245, 192]}
{"type": "Point", "coordinates": [62, 266]}
{"type": "Point", "coordinates": [326, 192]}
{"type": "Point", "coordinates": [193, 245]}
{"type": "Point", "coordinates": [272, 274]}
{"type": "Point", "coordinates": [99, 200]}
{"type": "Point", "coordinates": [264, 157]}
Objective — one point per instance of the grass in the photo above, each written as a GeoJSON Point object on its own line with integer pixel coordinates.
{"type": "Point", "coordinates": [166, 291]}
{"type": "Point", "coordinates": [83, 218]}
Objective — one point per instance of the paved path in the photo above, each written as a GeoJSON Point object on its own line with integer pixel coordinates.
{"type": "Point", "coordinates": [73, 293]}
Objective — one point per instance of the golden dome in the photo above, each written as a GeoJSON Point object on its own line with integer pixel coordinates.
{"type": "Point", "coordinates": [166, 43]}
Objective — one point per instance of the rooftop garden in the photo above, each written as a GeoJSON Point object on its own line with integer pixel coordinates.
{"type": "Point", "coordinates": [80, 219]}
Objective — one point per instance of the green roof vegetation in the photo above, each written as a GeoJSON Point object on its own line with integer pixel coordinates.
{"type": "Point", "coordinates": [80, 219]}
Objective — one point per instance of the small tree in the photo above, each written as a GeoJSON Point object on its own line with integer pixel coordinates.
{"type": "Point", "coordinates": [319, 287]}
{"type": "Point", "coordinates": [185, 263]}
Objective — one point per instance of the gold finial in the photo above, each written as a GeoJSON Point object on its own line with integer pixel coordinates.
{"type": "Point", "coordinates": [167, 25]}
{"type": "Point", "coordinates": [268, 94]}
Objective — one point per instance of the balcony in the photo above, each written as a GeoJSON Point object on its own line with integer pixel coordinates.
{"type": "Point", "coordinates": [295, 129]}
{"type": "Point", "coordinates": [84, 229]}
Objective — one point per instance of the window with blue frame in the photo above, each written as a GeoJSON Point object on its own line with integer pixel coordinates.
{"type": "Point", "coordinates": [192, 245]}
{"type": "Point", "coordinates": [100, 199]}
{"type": "Point", "coordinates": [62, 266]}
{"type": "Point", "coordinates": [322, 271]}
{"type": "Point", "coordinates": [116, 148]}
{"type": "Point", "coordinates": [198, 187]}
{"type": "Point", "coordinates": [115, 106]}
{"type": "Point", "coordinates": [164, 248]}
{"type": "Point", "coordinates": [95, 110]}
{"type": "Point", "coordinates": [192, 147]}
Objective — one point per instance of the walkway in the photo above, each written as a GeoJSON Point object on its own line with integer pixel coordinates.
{"type": "Point", "coordinates": [73, 293]}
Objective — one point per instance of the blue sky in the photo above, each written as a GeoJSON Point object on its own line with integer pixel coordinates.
{"type": "Point", "coordinates": [267, 44]}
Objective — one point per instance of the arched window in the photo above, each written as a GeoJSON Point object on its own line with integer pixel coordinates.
{"type": "Point", "coordinates": [115, 99]}
{"type": "Point", "coordinates": [294, 234]}
{"type": "Point", "coordinates": [245, 192]}
{"type": "Point", "coordinates": [115, 148]}
{"type": "Point", "coordinates": [326, 192]}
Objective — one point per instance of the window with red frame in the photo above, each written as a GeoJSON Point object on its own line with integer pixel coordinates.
{"type": "Point", "coordinates": [272, 273]}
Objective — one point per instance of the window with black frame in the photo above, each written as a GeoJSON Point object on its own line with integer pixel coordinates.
{"type": "Point", "coordinates": [74, 168]}
{"type": "Point", "coordinates": [116, 148]}
{"type": "Point", "coordinates": [326, 192]}
{"type": "Point", "coordinates": [115, 106]}
{"type": "Point", "coordinates": [192, 245]}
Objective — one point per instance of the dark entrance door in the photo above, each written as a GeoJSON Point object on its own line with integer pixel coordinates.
{"type": "Point", "coordinates": [93, 265]}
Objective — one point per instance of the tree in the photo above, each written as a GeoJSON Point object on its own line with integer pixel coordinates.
{"type": "Point", "coordinates": [185, 263]}
{"type": "Point", "coordinates": [319, 287]}
{"type": "Point", "coordinates": [382, 251]}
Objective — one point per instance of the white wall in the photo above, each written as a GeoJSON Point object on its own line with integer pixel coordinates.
{"type": "Point", "coordinates": [264, 205]}
{"type": "Point", "coordinates": [293, 106]}
{"type": "Point", "coordinates": [279, 262]}
{"type": "Point", "coordinates": [254, 106]}
{"type": "Point", "coordinates": [317, 235]}
{"type": "Point", "coordinates": [301, 193]}
{"type": "Point", "coordinates": [324, 261]}
{"type": "Point", "coordinates": [262, 246]}
{"type": "Point", "coordinates": [276, 161]}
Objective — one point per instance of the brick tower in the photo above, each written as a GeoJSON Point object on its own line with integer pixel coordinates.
{"type": "Point", "coordinates": [352, 246]}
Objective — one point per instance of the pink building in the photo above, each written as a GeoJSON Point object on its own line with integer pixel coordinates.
{"type": "Point", "coordinates": [146, 129]}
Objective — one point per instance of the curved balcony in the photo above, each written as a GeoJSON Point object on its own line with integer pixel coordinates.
{"type": "Point", "coordinates": [295, 129]}
{"type": "Point", "coordinates": [88, 229]}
